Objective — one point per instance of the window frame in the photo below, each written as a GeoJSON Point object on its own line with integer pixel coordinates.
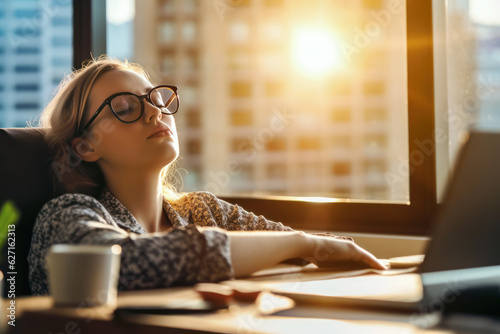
{"type": "Point", "coordinates": [89, 29]}
{"type": "Point", "coordinates": [412, 218]}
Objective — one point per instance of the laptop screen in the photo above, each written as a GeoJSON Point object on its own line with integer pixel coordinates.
{"type": "Point", "coordinates": [466, 230]}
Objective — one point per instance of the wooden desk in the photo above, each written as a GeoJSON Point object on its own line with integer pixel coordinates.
{"type": "Point", "coordinates": [272, 314]}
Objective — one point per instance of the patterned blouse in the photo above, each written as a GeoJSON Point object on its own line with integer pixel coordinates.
{"type": "Point", "coordinates": [182, 255]}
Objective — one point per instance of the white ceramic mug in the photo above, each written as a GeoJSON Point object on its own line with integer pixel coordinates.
{"type": "Point", "coordinates": [83, 275]}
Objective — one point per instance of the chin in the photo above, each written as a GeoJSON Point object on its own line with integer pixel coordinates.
{"type": "Point", "coordinates": [169, 159]}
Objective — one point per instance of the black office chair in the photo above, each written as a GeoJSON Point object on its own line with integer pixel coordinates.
{"type": "Point", "coordinates": [25, 179]}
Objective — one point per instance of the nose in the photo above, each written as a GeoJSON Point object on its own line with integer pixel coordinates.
{"type": "Point", "coordinates": [151, 112]}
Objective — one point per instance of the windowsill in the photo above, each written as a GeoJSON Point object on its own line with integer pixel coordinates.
{"type": "Point", "coordinates": [385, 246]}
{"type": "Point", "coordinates": [310, 199]}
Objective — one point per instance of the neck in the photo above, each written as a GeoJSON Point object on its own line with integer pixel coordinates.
{"type": "Point", "coordinates": [141, 194]}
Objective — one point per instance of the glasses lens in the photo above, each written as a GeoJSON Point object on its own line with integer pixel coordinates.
{"type": "Point", "coordinates": [126, 107]}
{"type": "Point", "coordinates": [165, 99]}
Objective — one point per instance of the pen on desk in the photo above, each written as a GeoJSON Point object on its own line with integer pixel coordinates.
{"type": "Point", "coordinates": [226, 294]}
{"type": "Point", "coordinates": [214, 297]}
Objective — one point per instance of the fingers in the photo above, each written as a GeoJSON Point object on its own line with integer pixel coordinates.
{"type": "Point", "coordinates": [330, 252]}
{"type": "Point", "coordinates": [342, 250]}
{"type": "Point", "coordinates": [370, 259]}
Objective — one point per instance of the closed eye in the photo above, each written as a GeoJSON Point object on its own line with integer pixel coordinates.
{"type": "Point", "coordinates": [124, 112]}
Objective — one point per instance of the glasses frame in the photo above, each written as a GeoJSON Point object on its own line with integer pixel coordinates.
{"type": "Point", "coordinates": [82, 130]}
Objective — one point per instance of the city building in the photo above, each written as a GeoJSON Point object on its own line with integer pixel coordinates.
{"type": "Point", "coordinates": [36, 50]}
{"type": "Point", "coordinates": [255, 120]}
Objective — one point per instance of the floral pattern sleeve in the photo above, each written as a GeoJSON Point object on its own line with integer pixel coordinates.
{"type": "Point", "coordinates": [184, 255]}
{"type": "Point", "coordinates": [205, 209]}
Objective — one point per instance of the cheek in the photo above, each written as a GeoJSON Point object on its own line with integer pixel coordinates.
{"type": "Point", "coordinates": [120, 142]}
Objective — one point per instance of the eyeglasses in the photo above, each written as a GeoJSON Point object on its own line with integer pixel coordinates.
{"type": "Point", "coordinates": [129, 107]}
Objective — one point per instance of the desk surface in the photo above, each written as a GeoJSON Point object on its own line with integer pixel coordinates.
{"type": "Point", "coordinates": [271, 314]}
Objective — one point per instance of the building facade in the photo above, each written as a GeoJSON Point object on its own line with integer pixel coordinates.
{"type": "Point", "coordinates": [36, 51]}
{"type": "Point", "coordinates": [252, 121]}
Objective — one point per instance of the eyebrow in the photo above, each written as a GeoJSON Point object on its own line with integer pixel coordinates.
{"type": "Point", "coordinates": [140, 92]}
{"type": "Point", "coordinates": [148, 89]}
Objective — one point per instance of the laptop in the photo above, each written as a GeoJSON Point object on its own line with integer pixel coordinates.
{"type": "Point", "coordinates": [462, 255]}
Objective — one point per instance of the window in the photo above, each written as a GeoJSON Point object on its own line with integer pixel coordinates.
{"type": "Point", "coordinates": [193, 146]}
{"type": "Point", "coordinates": [26, 68]}
{"type": "Point", "coordinates": [27, 32]}
{"type": "Point", "coordinates": [339, 115]}
{"type": "Point", "coordinates": [27, 106]}
{"type": "Point", "coordinates": [374, 88]}
{"type": "Point", "coordinates": [189, 31]}
{"type": "Point", "coordinates": [241, 3]}
{"type": "Point", "coordinates": [25, 13]}
{"type": "Point", "coordinates": [308, 143]}
{"type": "Point", "coordinates": [239, 32]}
{"type": "Point", "coordinates": [241, 145]}
{"type": "Point", "coordinates": [189, 6]}
{"type": "Point", "coordinates": [193, 119]}
{"type": "Point", "coordinates": [471, 79]}
{"type": "Point", "coordinates": [167, 32]}
{"type": "Point", "coordinates": [26, 87]}
{"type": "Point", "coordinates": [27, 50]}
{"type": "Point", "coordinates": [335, 94]}
{"type": "Point", "coordinates": [276, 144]}
{"type": "Point", "coordinates": [168, 6]}
{"type": "Point", "coordinates": [29, 61]}
{"type": "Point", "coordinates": [241, 117]}
{"type": "Point", "coordinates": [120, 29]}
{"type": "Point", "coordinates": [341, 168]}
{"type": "Point", "coordinates": [241, 89]}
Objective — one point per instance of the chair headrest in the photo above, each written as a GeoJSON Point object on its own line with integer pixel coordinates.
{"type": "Point", "coordinates": [25, 174]}
{"type": "Point", "coordinates": [25, 179]}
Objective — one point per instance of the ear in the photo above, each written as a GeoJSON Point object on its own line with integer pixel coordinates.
{"type": "Point", "coordinates": [84, 149]}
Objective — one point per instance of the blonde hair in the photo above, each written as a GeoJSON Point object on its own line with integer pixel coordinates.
{"type": "Point", "coordinates": [61, 120]}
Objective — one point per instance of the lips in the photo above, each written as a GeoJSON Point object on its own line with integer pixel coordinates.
{"type": "Point", "coordinates": [161, 131]}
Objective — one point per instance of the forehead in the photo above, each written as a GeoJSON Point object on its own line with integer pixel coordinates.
{"type": "Point", "coordinates": [117, 81]}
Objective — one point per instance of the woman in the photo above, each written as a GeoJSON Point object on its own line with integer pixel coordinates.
{"type": "Point", "coordinates": [114, 131]}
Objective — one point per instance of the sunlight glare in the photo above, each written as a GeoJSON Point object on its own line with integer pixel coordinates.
{"type": "Point", "coordinates": [120, 11]}
{"type": "Point", "coordinates": [316, 51]}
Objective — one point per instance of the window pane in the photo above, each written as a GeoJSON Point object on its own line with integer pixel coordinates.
{"type": "Point", "coordinates": [473, 76]}
{"type": "Point", "coordinates": [36, 50]}
{"type": "Point", "coordinates": [289, 97]}
{"type": "Point", "coordinates": [120, 28]}
{"type": "Point", "coordinates": [467, 77]}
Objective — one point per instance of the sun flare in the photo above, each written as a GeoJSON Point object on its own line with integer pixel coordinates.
{"type": "Point", "coordinates": [316, 51]}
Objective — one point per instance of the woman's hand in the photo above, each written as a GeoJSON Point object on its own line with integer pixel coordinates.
{"type": "Point", "coordinates": [255, 250]}
{"type": "Point", "coordinates": [330, 252]}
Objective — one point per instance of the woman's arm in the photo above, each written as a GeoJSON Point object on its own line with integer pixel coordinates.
{"type": "Point", "coordinates": [231, 217]}
{"type": "Point", "coordinates": [252, 251]}
{"type": "Point", "coordinates": [154, 260]}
